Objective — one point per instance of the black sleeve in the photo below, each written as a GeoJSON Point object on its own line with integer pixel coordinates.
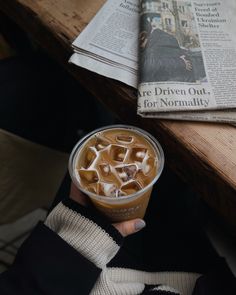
{"type": "Point", "coordinates": [218, 281]}
{"type": "Point", "coordinates": [46, 264]}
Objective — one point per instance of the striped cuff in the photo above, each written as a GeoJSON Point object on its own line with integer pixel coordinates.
{"type": "Point", "coordinates": [86, 231]}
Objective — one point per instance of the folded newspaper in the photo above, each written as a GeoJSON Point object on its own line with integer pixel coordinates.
{"type": "Point", "coordinates": [181, 58]}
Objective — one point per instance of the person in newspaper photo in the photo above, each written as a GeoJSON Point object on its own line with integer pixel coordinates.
{"type": "Point", "coordinates": [165, 43]}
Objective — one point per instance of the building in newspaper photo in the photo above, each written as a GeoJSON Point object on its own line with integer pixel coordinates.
{"type": "Point", "coordinates": [169, 42]}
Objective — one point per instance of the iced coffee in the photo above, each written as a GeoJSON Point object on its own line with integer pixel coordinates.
{"type": "Point", "coordinates": [117, 167]}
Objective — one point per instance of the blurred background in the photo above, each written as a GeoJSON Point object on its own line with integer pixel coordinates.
{"type": "Point", "coordinates": [43, 113]}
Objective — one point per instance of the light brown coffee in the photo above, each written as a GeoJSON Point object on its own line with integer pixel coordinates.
{"type": "Point", "coordinates": [116, 163]}
{"type": "Point", "coordinates": [116, 167]}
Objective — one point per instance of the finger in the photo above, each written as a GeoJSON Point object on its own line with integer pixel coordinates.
{"type": "Point", "coordinates": [130, 227]}
{"type": "Point", "coordinates": [189, 66]}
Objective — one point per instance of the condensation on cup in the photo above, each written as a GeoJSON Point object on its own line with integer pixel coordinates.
{"type": "Point", "coordinates": [117, 166]}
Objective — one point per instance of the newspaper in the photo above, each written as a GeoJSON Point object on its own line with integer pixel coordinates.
{"type": "Point", "coordinates": [109, 46]}
{"type": "Point", "coordinates": [187, 55]}
{"type": "Point", "coordinates": [226, 116]}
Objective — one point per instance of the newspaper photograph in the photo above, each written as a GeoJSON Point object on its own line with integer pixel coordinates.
{"type": "Point", "coordinates": [184, 51]}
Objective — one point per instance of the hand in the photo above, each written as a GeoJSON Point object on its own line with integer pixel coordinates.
{"type": "Point", "coordinates": [130, 227]}
{"type": "Point", "coordinates": [125, 228]}
{"type": "Point", "coordinates": [188, 64]}
{"type": "Point", "coordinates": [143, 39]}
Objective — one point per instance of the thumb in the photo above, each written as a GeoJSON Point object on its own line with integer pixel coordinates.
{"type": "Point", "coordinates": [129, 227]}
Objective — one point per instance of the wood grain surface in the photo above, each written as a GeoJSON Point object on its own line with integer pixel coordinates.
{"type": "Point", "coordinates": [203, 154]}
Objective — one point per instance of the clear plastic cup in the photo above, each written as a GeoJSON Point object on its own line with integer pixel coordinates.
{"type": "Point", "coordinates": [123, 207]}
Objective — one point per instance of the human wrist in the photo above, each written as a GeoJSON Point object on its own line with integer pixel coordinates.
{"type": "Point", "coordinates": [86, 231]}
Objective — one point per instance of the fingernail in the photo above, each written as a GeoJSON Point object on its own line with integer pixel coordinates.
{"type": "Point", "coordinates": [139, 224]}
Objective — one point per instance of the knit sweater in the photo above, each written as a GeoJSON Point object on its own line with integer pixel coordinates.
{"type": "Point", "coordinates": [71, 254]}
{"type": "Point", "coordinates": [99, 243]}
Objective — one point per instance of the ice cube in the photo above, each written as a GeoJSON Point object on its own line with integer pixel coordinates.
{"type": "Point", "coordinates": [92, 188]}
{"type": "Point", "coordinates": [101, 143]}
{"type": "Point", "coordinates": [131, 170]}
{"type": "Point", "coordinates": [138, 154]}
{"type": "Point", "coordinates": [89, 157]}
{"type": "Point", "coordinates": [131, 187]}
{"type": "Point", "coordinates": [107, 189]}
{"type": "Point", "coordinates": [127, 172]}
{"type": "Point", "coordinates": [123, 138]}
{"type": "Point", "coordinates": [105, 169]}
{"type": "Point", "coordinates": [148, 165]}
{"type": "Point", "coordinates": [122, 175]}
{"type": "Point", "coordinates": [141, 178]}
{"type": "Point", "coordinates": [119, 193]}
{"type": "Point", "coordinates": [88, 176]}
{"type": "Point", "coordinates": [118, 153]}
